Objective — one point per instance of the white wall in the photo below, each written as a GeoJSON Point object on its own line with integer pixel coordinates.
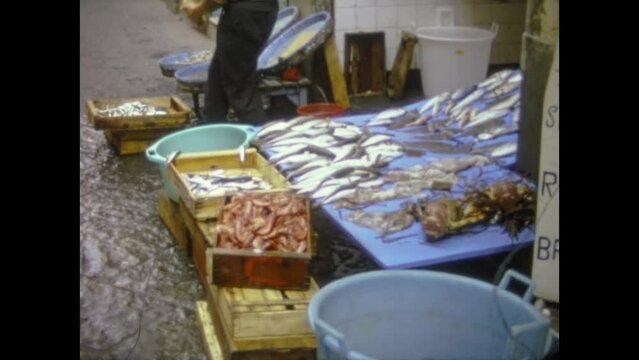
{"type": "Point", "coordinates": [393, 16]}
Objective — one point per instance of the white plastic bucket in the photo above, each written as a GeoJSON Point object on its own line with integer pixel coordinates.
{"type": "Point", "coordinates": [419, 314]}
{"type": "Point", "coordinates": [453, 57]}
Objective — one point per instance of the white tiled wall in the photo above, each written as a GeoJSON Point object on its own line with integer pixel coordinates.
{"type": "Point", "coordinates": [393, 16]}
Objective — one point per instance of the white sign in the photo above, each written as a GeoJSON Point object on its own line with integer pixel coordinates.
{"type": "Point", "coordinates": [546, 251]}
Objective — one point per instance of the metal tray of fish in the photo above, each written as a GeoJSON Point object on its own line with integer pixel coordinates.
{"type": "Point", "coordinates": [192, 175]}
{"type": "Point", "coordinates": [285, 18]}
{"type": "Point", "coordinates": [192, 77]}
{"type": "Point", "coordinates": [296, 43]}
{"type": "Point", "coordinates": [169, 64]}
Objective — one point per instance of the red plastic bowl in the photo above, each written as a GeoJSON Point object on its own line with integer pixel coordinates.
{"type": "Point", "coordinates": [320, 109]}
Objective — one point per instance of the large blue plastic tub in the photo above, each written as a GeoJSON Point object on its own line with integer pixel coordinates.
{"type": "Point", "coordinates": [415, 314]}
{"type": "Point", "coordinates": [198, 139]}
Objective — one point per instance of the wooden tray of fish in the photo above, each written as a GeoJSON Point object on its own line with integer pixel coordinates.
{"type": "Point", "coordinates": [138, 113]}
{"type": "Point", "coordinates": [262, 243]}
{"type": "Point", "coordinates": [216, 264]}
{"type": "Point", "coordinates": [219, 344]}
{"type": "Point", "coordinates": [204, 179]}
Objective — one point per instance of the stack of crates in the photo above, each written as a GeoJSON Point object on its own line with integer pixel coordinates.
{"type": "Point", "coordinates": [256, 305]}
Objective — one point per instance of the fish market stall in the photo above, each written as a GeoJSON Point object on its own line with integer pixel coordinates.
{"type": "Point", "coordinates": [428, 183]}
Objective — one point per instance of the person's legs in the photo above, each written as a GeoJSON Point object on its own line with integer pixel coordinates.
{"type": "Point", "coordinates": [239, 50]}
{"type": "Point", "coordinates": [215, 103]}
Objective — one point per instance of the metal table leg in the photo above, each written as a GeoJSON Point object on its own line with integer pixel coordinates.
{"type": "Point", "coordinates": [196, 104]}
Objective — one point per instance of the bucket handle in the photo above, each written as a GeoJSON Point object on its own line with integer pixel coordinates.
{"type": "Point", "coordinates": [443, 14]}
{"type": "Point", "coordinates": [494, 28]}
{"type": "Point", "coordinates": [334, 340]}
{"type": "Point", "coordinates": [153, 156]}
{"type": "Point", "coordinates": [539, 346]}
{"type": "Point", "coordinates": [509, 275]}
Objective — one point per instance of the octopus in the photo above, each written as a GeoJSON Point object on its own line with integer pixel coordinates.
{"type": "Point", "coordinates": [503, 202]}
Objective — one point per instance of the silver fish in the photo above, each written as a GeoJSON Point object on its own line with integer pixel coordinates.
{"type": "Point", "coordinates": [375, 139]}
{"type": "Point", "coordinates": [462, 93]}
{"type": "Point", "coordinates": [469, 99]}
{"type": "Point", "coordinates": [497, 132]}
{"type": "Point", "coordinates": [386, 116]}
{"type": "Point", "coordinates": [504, 150]}
{"type": "Point", "coordinates": [286, 152]}
{"type": "Point", "coordinates": [489, 115]}
{"type": "Point", "coordinates": [308, 167]}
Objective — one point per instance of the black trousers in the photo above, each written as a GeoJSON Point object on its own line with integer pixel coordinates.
{"type": "Point", "coordinates": [233, 79]}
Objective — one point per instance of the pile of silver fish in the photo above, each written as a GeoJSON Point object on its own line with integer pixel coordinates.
{"type": "Point", "coordinates": [133, 108]}
{"type": "Point", "coordinates": [323, 157]}
{"type": "Point", "coordinates": [445, 120]}
{"type": "Point", "coordinates": [199, 57]}
{"type": "Point", "coordinates": [218, 183]}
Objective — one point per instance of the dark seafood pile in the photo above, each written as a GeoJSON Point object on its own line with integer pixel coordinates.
{"type": "Point", "coordinates": [273, 221]}
{"type": "Point", "coordinates": [503, 202]}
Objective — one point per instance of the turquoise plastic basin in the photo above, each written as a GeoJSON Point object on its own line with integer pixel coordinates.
{"type": "Point", "coordinates": [198, 139]}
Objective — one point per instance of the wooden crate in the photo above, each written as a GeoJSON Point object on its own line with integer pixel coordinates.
{"type": "Point", "coordinates": [250, 313]}
{"type": "Point", "coordinates": [220, 346]}
{"type": "Point", "coordinates": [203, 208]}
{"type": "Point", "coordinates": [127, 142]}
{"type": "Point", "coordinates": [170, 215]}
{"type": "Point", "coordinates": [244, 268]}
{"type": "Point", "coordinates": [202, 237]}
{"type": "Point", "coordinates": [178, 114]}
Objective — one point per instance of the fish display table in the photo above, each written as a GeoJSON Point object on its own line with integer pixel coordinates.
{"type": "Point", "coordinates": [479, 124]}
{"type": "Point", "coordinates": [410, 250]}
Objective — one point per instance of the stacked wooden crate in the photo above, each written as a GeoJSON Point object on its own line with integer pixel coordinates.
{"type": "Point", "coordinates": [133, 134]}
{"type": "Point", "coordinates": [256, 302]}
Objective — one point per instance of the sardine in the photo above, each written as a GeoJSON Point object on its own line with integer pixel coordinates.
{"type": "Point", "coordinates": [505, 104]}
{"type": "Point", "coordinates": [308, 167]}
{"type": "Point", "coordinates": [288, 151]}
{"type": "Point", "coordinates": [504, 150]}
{"type": "Point", "coordinates": [497, 132]}
{"type": "Point", "coordinates": [469, 99]}
{"type": "Point", "coordinates": [438, 147]}
{"type": "Point", "coordinates": [401, 121]}
{"type": "Point", "coordinates": [482, 127]}
{"type": "Point", "coordinates": [375, 139]}
{"type": "Point", "coordinates": [462, 93]}
{"type": "Point", "coordinates": [386, 116]}
{"type": "Point", "coordinates": [489, 115]}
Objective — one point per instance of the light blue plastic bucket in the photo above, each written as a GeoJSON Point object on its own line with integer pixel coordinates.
{"type": "Point", "coordinates": [415, 314]}
{"type": "Point", "coordinates": [198, 139]}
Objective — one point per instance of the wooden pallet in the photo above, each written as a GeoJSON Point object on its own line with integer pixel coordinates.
{"type": "Point", "coordinates": [218, 346]}
{"type": "Point", "coordinates": [251, 313]}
